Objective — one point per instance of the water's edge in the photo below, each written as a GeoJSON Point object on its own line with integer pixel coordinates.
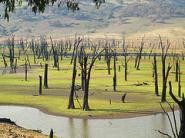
{"type": "Point", "coordinates": [67, 127]}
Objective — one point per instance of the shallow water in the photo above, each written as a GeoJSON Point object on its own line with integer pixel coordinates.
{"type": "Point", "coordinates": [138, 127]}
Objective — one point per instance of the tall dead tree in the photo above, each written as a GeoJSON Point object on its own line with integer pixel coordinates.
{"type": "Point", "coordinates": [179, 79]}
{"type": "Point", "coordinates": [176, 70]}
{"type": "Point", "coordinates": [87, 75]}
{"type": "Point", "coordinates": [165, 73]}
{"type": "Point", "coordinates": [126, 60]}
{"type": "Point", "coordinates": [11, 56]}
{"type": "Point", "coordinates": [71, 96]}
{"type": "Point", "coordinates": [181, 104]}
{"type": "Point", "coordinates": [115, 76]}
{"type": "Point", "coordinates": [81, 62]}
{"type": "Point", "coordinates": [155, 76]}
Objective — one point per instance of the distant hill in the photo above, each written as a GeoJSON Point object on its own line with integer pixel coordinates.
{"type": "Point", "coordinates": [125, 17]}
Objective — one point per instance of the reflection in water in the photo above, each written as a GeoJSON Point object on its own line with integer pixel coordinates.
{"type": "Point", "coordinates": [139, 127]}
{"type": "Point", "coordinates": [85, 128]}
{"type": "Point", "coordinates": [71, 128]}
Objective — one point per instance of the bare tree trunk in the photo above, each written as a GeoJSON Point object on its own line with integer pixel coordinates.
{"type": "Point", "coordinates": [55, 54]}
{"type": "Point", "coordinates": [164, 72]}
{"type": "Point", "coordinates": [108, 56]}
{"type": "Point", "coordinates": [125, 60]}
{"type": "Point", "coordinates": [139, 55]}
{"type": "Point", "coordinates": [176, 70]}
{"type": "Point", "coordinates": [87, 76]}
{"type": "Point", "coordinates": [86, 92]}
{"type": "Point", "coordinates": [179, 80]}
{"type": "Point", "coordinates": [136, 60]}
{"type": "Point", "coordinates": [4, 61]}
{"type": "Point", "coordinates": [71, 96]}
{"type": "Point", "coordinates": [74, 49]}
{"type": "Point", "coordinates": [156, 76]}
{"type": "Point", "coordinates": [46, 76]}
{"type": "Point", "coordinates": [26, 71]}
{"type": "Point", "coordinates": [163, 96]}
{"type": "Point", "coordinates": [115, 76]}
{"type": "Point", "coordinates": [81, 61]}
{"type": "Point", "coordinates": [40, 85]}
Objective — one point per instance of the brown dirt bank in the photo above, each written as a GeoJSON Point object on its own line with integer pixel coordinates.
{"type": "Point", "coordinates": [13, 131]}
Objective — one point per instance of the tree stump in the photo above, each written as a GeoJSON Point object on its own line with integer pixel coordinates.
{"type": "Point", "coordinates": [123, 97]}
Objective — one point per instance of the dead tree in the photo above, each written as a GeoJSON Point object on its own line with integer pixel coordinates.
{"type": "Point", "coordinates": [151, 50]}
{"type": "Point", "coordinates": [46, 76]}
{"type": "Point", "coordinates": [26, 71]}
{"type": "Point", "coordinates": [73, 54]}
{"type": "Point", "coordinates": [32, 46]}
{"type": "Point", "coordinates": [165, 73]}
{"type": "Point", "coordinates": [115, 76]}
{"type": "Point", "coordinates": [126, 60]}
{"type": "Point", "coordinates": [81, 62]}
{"type": "Point", "coordinates": [179, 79]}
{"type": "Point", "coordinates": [87, 75]}
{"type": "Point", "coordinates": [181, 104]}
{"type": "Point", "coordinates": [108, 56]}
{"type": "Point", "coordinates": [155, 76]}
{"type": "Point", "coordinates": [11, 47]}
{"type": "Point", "coordinates": [4, 61]}
{"type": "Point", "coordinates": [42, 50]}
{"type": "Point", "coordinates": [51, 133]}
{"type": "Point", "coordinates": [176, 70]}
{"type": "Point", "coordinates": [71, 96]}
{"type": "Point", "coordinates": [138, 56]}
{"type": "Point", "coordinates": [40, 85]}
{"type": "Point", "coordinates": [123, 97]}
{"type": "Point", "coordinates": [174, 127]}
{"type": "Point", "coordinates": [55, 54]}
{"type": "Point", "coordinates": [61, 48]}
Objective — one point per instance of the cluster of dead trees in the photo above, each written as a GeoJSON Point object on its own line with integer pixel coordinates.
{"type": "Point", "coordinates": [84, 52]}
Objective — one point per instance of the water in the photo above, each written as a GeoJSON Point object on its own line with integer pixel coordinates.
{"type": "Point", "coordinates": [138, 127]}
